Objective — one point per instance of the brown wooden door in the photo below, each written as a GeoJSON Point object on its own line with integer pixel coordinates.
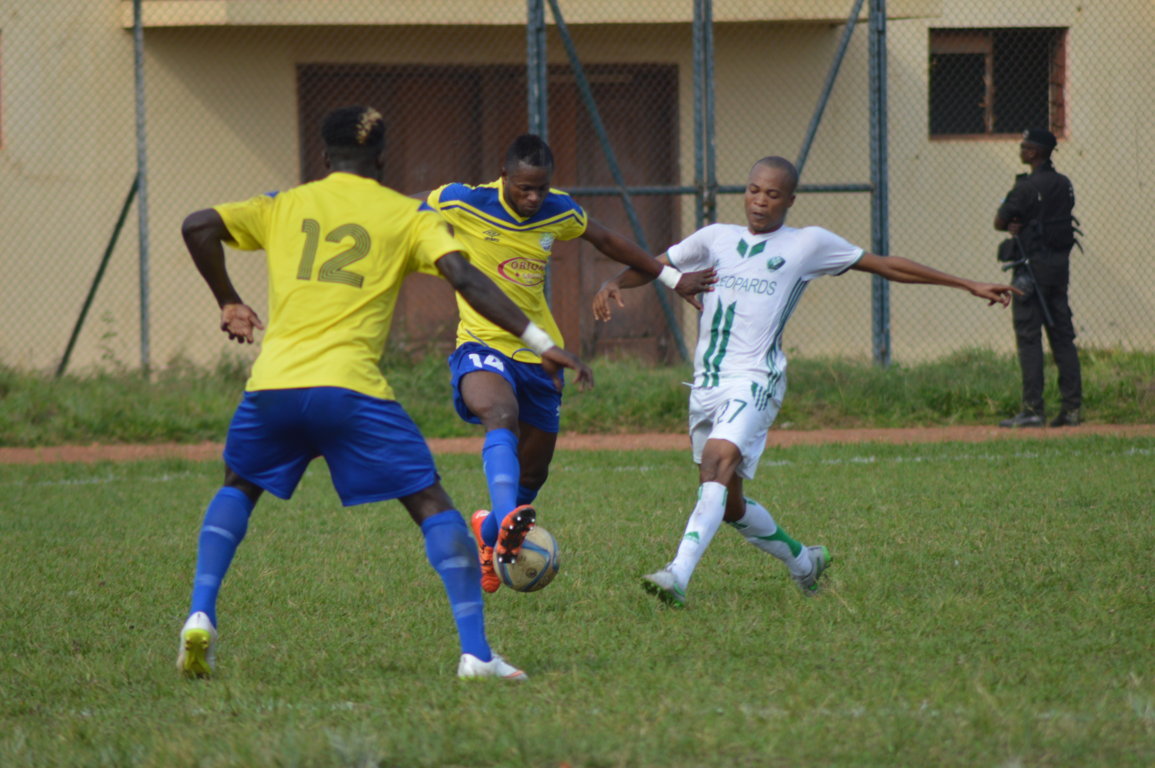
{"type": "Point", "coordinates": [454, 123]}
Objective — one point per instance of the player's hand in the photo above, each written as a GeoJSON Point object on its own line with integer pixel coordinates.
{"type": "Point", "coordinates": [690, 284]}
{"type": "Point", "coordinates": [610, 291]}
{"type": "Point", "coordinates": [239, 321]}
{"type": "Point", "coordinates": [556, 358]}
{"type": "Point", "coordinates": [994, 293]}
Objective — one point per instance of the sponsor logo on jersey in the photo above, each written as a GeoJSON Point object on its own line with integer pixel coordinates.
{"type": "Point", "coordinates": [492, 235]}
{"type": "Point", "coordinates": [774, 263]}
{"type": "Point", "coordinates": [523, 271]}
{"type": "Point", "coordinates": [547, 239]}
{"type": "Point", "coordinates": [748, 284]}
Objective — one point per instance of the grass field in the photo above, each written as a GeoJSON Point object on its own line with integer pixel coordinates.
{"type": "Point", "coordinates": [185, 404]}
{"type": "Point", "coordinates": [989, 605]}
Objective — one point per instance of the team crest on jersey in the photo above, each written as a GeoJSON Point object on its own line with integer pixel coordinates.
{"type": "Point", "coordinates": [523, 271]}
{"type": "Point", "coordinates": [546, 241]}
{"type": "Point", "coordinates": [774, 263]}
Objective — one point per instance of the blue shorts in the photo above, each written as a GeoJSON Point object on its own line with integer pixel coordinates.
{"type": "Point", "coordinates": [538, 400]}
{"type": "Point", "coordinates": [374, 450]}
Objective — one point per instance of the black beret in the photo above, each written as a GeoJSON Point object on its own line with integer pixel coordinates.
{"type": "Point", "coordinates": [1042, 138]}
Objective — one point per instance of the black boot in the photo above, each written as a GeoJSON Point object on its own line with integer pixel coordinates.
{"type": "Point", "coordinates": [1066, 419]}
{"type": "Point", "coordinates": [1024, 419]}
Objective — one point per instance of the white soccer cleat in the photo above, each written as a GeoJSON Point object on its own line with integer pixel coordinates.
{"type": "Point", "coordinates": [198, 641]}
{"type": "Point", "coordinates": [820, 560]}
{"type": "Point", "coordinates": [665, 586]}
{"type": "Point", "coordinates": [472, 667]}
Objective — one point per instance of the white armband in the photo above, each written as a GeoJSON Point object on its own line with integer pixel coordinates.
{"type": "Point", "coordinates": [669, 277]}
{"type": "Point", "coordinates": [536, 339]}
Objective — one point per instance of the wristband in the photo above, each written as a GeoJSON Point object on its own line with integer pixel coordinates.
{"type": "Point", "coordinates": [669, 277]}
{"type": "Point", "coordinates": [536, 339]}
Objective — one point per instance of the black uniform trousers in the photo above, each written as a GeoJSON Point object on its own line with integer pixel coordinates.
{"type": "Point", "coordinates": [1052, 273]}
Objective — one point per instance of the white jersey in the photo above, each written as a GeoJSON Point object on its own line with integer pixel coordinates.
{"type": "Point", "coordinates": [760, 280]}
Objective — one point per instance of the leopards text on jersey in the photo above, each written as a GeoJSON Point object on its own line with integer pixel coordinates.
{"type": "Point", "coordinates": [761, 277]}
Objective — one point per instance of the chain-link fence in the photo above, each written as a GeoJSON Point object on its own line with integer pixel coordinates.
{"type": "Point", "coordinates": [218, 100]}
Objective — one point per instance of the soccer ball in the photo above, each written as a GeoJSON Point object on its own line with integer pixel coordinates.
{"type": "Point", "coordinates": [536, 564]}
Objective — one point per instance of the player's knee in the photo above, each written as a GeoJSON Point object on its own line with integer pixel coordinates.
{"type": "Point", "coordinates": [426, 503]}
{"type": "Point", "coordinates": [501, 417]}
{"type": "Point", "coordinates": [233, 480]}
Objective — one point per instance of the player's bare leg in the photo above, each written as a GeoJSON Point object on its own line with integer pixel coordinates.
{"type": "Point", "coordinates": [535, 451]}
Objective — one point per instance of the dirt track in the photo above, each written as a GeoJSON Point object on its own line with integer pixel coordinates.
{"type": "Point", "coordinates": [673, 442]}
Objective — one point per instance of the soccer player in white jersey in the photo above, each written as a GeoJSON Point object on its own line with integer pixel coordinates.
{"type": "Point", "coordinates": [739, 364]}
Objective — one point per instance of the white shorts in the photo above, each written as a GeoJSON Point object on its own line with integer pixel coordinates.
{"type": "Point", "coordinates": [739, 411]}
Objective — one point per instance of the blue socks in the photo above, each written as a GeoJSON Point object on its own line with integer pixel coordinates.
{"type": "Point", "coordinates": [226, 521]}
{"type": "Point", "coordinates": [502, 472]}
{"type": "Point", "coordinates": [452, 553]}
{"type": "Point", "coordinates": [448, 545]}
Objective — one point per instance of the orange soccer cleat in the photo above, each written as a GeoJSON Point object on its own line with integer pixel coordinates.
{"type": "Point", "coordinates": [490, 581]}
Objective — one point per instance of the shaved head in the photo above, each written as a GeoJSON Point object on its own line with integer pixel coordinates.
{"type": "Point", "coordinates": [785, 166]}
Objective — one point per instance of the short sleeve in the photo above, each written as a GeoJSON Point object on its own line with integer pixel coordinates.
{"type": "Point", "coordinates": [693, 253]}
{"type": "Point", "coordinates": [431, 239]}
{"type": "Point", "coordinates": [828, 253]}
{"type": "Point", "coordinates": [574, 226]}
{"type": "Point", "coordinates": [434, 197]}
{"type": "Point", "coordinates": [248, 221]}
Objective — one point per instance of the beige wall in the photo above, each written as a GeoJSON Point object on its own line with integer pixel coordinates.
{"type": "Point", "coordinates": [66, 164]}
{"type": "Point", "coordinates": [222, 117]}
{"type": "Point", "coordinates": [1107, 154]}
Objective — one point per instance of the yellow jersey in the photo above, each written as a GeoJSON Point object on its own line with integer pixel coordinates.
{"type": "Point", "coordinates": [511, 250]}
{"type": "Point", "coordinates": [337, 251]}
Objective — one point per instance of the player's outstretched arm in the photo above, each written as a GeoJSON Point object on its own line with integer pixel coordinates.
{"type": "Point", "coordinates": [690, 284]}
{"type": "Point", "coordinates": [484, 296]}
{"type": "Point", "coordinates": [901, 270]}
{"type": "Point", "coordinates": [204, 235]}
{"type": "Point", "coordinates": [625, 251]}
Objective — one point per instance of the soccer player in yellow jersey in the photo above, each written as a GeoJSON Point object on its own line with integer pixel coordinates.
{"type": "Point", "coordinates": [509, 227]}
{"type": "Point", "coordinates": [337, 250]}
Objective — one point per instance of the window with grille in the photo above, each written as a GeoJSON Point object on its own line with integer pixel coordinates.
{"type": "Point", "coordinates": [996, 82]}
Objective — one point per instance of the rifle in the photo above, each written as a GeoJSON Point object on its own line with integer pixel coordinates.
{"type": "Point", "coordinates": [1025, 262]}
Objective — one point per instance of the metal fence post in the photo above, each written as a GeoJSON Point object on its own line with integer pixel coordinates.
{"type": "Point", "coordinates": [879, 198]}
{"type": "Point", "coordinates": [537, 73]}
{"type": "Point", "coordinates": [142, 184]}
{"type": "Point", "coordinates": [537, 87]}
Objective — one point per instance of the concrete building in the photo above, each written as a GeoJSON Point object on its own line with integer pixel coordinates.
{"type": "Point", "coordinates": [234, 88]}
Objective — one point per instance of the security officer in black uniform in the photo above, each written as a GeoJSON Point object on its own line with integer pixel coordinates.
{"type": "Point", "coordinates": [1037, 215]}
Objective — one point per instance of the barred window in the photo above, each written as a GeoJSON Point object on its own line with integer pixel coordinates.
{"type": "Point", "coordinates": [996, 82]}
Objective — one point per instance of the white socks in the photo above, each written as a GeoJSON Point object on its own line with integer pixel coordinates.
{"type": "Point", "coordinates": [759, 528]}
{"type": "Point", "coordinates": [700, 529]}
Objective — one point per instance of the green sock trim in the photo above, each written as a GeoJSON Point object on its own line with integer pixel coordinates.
{"type": "Point", "coordinates": [782, 536]}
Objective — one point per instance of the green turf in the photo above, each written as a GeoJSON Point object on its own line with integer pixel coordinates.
{"type": "Point", "coordinates": [187, 404]}
{"type": "Point", "coordinates": [989, 605]}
